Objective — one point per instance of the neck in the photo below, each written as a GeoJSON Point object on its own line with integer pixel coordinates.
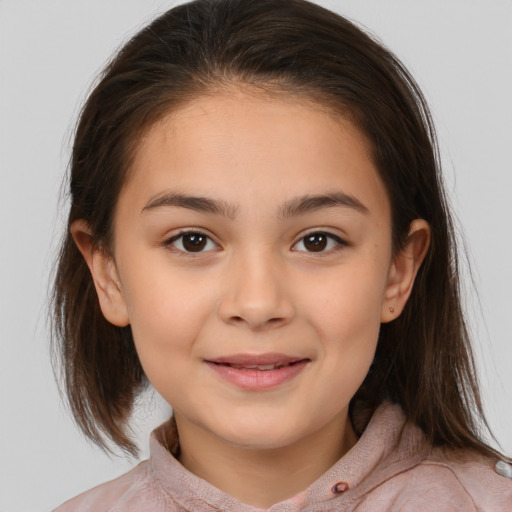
{"type": "Point", "coordinates": [263, 477]}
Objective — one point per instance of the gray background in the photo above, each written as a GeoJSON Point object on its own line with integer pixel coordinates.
{"type": "Point", "coordinates": [460, 51]}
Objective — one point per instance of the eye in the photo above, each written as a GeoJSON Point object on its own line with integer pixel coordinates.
{"type": "Point", "coordinates": [192, 241]}
{"type": "Point", "coordinates": [319, 242]}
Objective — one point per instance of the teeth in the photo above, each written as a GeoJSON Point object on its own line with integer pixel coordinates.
{"type": "Point", "coordinates": [267, 367]}
{"type": "Point", "coordinates": [262, 367]}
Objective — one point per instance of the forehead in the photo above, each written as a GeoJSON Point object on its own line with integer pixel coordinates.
{"type": "Point", "coordinates": [237, 145]}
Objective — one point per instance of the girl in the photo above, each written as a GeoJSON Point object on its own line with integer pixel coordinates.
{"type": "Point", "coordinates": [258, 229]}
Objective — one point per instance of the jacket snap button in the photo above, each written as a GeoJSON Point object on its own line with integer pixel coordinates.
{"type": "Point", "coordinates": [339, 487]}
{"type": "Point", "coordinates": [503, 469]}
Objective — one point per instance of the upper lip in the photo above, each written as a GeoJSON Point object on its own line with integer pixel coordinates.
{"type": "Point", "coordinates": [256, 359]}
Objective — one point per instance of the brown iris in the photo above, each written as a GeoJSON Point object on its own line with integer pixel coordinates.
{"type": "Point", "coordinates": [315, 242]}
{"type": "Point", "coordinates": [194, 242]}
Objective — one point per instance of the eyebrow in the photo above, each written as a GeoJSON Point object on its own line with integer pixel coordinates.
{"type": "Point", "coordinates": [292, 208]}
{"type": "Point", "coordinates": [196, 203]}
{"type": "Point", "coordinates": [310, 203]}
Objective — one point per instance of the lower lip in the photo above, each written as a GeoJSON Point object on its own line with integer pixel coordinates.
{"type": "Point", "coordinates": [257, 380]}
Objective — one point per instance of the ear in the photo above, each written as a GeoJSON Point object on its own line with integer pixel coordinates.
{"type": "Point", "coordinates": [403, 270]}
{"type": "Point", "coordinates": [104, 274]}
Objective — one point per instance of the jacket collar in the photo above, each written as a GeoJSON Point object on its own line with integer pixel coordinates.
{"type": "Point", "coordinates": [387, 447]}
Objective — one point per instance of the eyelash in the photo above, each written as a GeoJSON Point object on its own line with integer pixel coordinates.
{"type": "Point", "coordinates": [169, 243]}
{"type": "Point", "coordinates": [339, 242]}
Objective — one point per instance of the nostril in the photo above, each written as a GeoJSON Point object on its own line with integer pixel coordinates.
{"type": "Point", "coordinates": [272, 320]}
{"type": "Point", "coordinates": [276, 320]}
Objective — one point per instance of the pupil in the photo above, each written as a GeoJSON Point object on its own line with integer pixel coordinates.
{"type": "Point", "coordinates": [316, 242]}
{"type": "Point", "coordinates": [194, 242]}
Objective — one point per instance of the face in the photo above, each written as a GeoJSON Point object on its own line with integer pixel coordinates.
{"type": "Point", "coordinates": [253, 261]}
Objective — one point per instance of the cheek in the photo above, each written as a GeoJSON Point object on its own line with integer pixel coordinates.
{"type": "Point", "coordinates": [345, 304]}
{"type": "Point", "coordinates": [344, 313]}
{"type": "Point", "coordinates": [166, 316]}
{"type": "Point", "coordinates": [348, 332]}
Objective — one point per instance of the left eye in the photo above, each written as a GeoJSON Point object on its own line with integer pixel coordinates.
{"type": "Point", "coordinates": [192, 242]}
{"type": "Point", "coordinates": [318, 242]}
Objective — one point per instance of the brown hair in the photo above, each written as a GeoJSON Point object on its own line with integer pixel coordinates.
{"type": "Point", "coordinates": [423, 359]}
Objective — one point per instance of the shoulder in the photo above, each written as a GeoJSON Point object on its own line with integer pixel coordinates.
{"type": "Point", "coordinates": [472, 475]}
{"type": "Point", "coordinates": [133, 491]}
{"type": "Point", "coordinates": [404, 473]}
{"type": "Point", "coordinates": [451, 481]}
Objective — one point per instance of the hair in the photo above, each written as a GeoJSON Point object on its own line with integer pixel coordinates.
{"type": "Point", "coordinates": [423, 359]}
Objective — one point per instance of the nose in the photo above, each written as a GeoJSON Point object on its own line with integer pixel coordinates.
{"type": "Point", "coordinates": [257, 294]}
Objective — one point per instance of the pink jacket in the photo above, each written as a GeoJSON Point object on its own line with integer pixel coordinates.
{"type": "Point", "coordinates": [387, 470]}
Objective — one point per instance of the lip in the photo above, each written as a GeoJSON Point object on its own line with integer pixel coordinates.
{"type": "Point", "coordinates": [236, 369]}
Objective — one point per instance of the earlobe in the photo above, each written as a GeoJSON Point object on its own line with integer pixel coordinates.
{"type": "Point", "coordinates": [403, 270]}
{"type": "Point", "coordinates": [104, 274]}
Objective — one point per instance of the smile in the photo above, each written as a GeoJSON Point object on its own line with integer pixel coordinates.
{"type": "Point", "coordinates": [261, 367]}
{"type": "Point", "coordinates": [257, 373]}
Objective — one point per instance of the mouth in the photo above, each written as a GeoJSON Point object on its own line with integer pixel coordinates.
{"type": "Point", "coordinates": [258, 372]}
{"type": "Point", "coordinates": [260, 367]}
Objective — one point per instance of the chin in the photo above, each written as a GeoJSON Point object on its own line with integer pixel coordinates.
{"type": "Point", "coordinates": [259, 441]}
{"type": "Point", "coordinates": [259, 435]}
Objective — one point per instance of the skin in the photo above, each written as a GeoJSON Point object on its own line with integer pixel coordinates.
{"type": "Point", "coordinates": [256, 286]}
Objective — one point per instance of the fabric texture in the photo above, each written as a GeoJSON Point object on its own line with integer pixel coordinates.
{"type": "Point", "coordinates": [391, 468]}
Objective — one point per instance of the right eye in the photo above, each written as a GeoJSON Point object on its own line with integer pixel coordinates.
{"type": "Point", "coordinates": [192, 241]}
